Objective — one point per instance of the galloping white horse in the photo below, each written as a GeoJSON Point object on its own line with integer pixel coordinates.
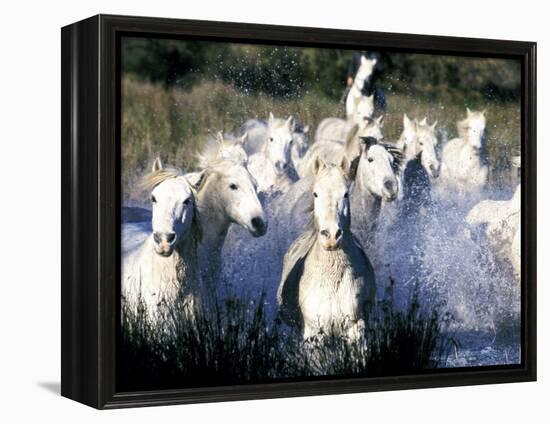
{"type": "Point", "coordinates": [376, 168]}
{"type": "Point", "coordinates": [226, 193]}
{"type": "Point", "coordinates": [164, 268]}
{"type": "Point", "coordinates": [359, 106]}
{"type": "Point", "coordinates": [223, 147]}
{"type": "Point", "coordinates": [464, 167]}
{"type": "Point", "coordinates": [418, 139]}
{"type": "Point", "coordinates": [328, 282]}
{"type": "Point", "coordinates": [272, 164]}
{"type": "Point", "coordinates": [503, 226]}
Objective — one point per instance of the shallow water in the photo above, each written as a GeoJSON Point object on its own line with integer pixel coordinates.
{"type": "Point", "coordinates": [432, 251]}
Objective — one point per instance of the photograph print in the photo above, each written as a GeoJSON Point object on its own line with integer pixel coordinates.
{"type": "Point", "coordinates": [294, 213]}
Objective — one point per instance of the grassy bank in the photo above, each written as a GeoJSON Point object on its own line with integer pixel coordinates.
{"type": "Point", "coordinates": [173, 123]}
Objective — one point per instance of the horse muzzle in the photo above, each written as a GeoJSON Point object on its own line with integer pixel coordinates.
{"type": "Point", "coordinates": [434, 171]}
{"type": "Point", "coordinates": [390, 190]}
{"type": "Point", "coordinates": [164, 243]}
{"type": "Point", "coordinates": [329, 241]}
{"type": "Point", "coordinates": [280, 167]}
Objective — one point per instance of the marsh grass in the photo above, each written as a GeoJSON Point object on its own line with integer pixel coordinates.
{"type": "Point", "coordinates": [236, 343]}
{"type": "Point", "coordinates": [174, 122]}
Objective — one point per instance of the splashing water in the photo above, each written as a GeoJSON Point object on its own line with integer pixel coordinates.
{"type": "Point", "coordinates": [433, 250]}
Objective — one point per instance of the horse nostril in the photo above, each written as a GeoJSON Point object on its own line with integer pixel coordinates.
{"type": "Point", "coordinates": [389, 186]}
{"type": "Point", "coordinates": [170, 237]}
{"type": "Point", "coordinates": [157, 237]}
{"type": "Point", "coordinates": [257, 223]}
{"type": "Point", "coordinates": [325, 233]}
{"type": "Point", "coordinates": [338, 233]}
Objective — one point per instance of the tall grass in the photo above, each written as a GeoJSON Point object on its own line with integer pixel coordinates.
{"type": "Point", "coordinates": [174, 122]}
{"type": "Point", "coordinates": [236, 343]}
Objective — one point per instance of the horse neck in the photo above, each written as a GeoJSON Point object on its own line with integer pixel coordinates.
{"type": "Point", "coordinates": [408, 155]}
{"type": "Point", "coordinates": [212, 218]}
{"type": "Point", "coordinates": [362, 199]}
{"type": "Point", "coordinates": [332, 260]}
{"type": "Point", "coordinates": [181, 266]}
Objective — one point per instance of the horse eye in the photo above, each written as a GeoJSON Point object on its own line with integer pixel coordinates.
{"type": "Point", "coordinates": [186, 201]}
{"type": "Point", "coordinates": [153, 199]}
{"type": "Point", "coordinates": [270, 138]}
{"type": "Point", "coordinates": [421, 143]}
{"type": "Point", "coordinates": [233, 186]}
{"type": "Point", "coordinates": [314, 194]}
{"type": "Point", "coordinates": [370, 159]}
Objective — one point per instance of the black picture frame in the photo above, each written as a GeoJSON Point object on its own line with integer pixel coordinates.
{"type": "Point", "coordinates": [90, 222]}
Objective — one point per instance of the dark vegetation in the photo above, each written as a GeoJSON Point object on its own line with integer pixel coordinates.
{"type": "Point", "coordinates": [237, 343]}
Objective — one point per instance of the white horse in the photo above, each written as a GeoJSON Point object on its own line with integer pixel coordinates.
{"type": "Point", "coordinates": [226, 194]}
{"type": "Point", "coordinates": [164, 268]}
{"type": "Point", "coordinates": [376, 169]}
{"type": "Point", "coordinates": [272, 165]}
{"type": "Point", "coordinates": [464, 167]}
{"type": "Point", "coordinates": [223, 147]}
{"type": "Point", "coordinates": [418, 142]}
{"type": "Point", "coordinates": [503, 227]}
{"type": "Point", "coordinates": [328, 282]}
{"type": "Point", "coordinates": [359, 106]}
{"type": "Point", "coordinates": [259, 128]}
{"type": "Point", "coordinates": [418, 139]}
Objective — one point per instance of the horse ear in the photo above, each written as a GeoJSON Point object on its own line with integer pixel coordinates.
{"type": "Point", "coordinates": [157, 165]}
{"type": "Point", "coordinates": [318, 165]}
{"type": "Point", "coordinates": [219, 137]}
{"type": "Point", "coordinates": [432, 127]}
{"type": "Point", "coordinates": [271, 118]}
{"type": "Point", "coordinates": [424, 121]}
{"type": "Point", "coordinates": [408, 123]}
{"type": "Point", "coordinates": [374, 60]}
{"type": "Point", "coordinates": [363, 59]}
{"type": "Point", "coordinates": [349, 168]}
{"type": "Point", "coordinates": [305, 130]}
{"type": "Point", "coordinates": [468, 111]}
{"type": "Point", "coordinates": [242, 139]}
{"type": "Point", "coordinates": [290, 123]}
{"type": "Point", "coordinates": [484, 112]}
{"type": "Point", "coordinates": [196, 179]}
{"type": "Point", "coordinates": [380, 120]}
{"type": "Point", "coordinates": [368, 142]}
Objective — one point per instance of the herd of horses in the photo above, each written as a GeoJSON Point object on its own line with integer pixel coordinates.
{"type": "Point", "coordinates": [338, 187]}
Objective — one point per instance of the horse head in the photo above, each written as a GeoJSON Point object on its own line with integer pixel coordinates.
{"type": "Point", "coordinates": [277, 147]}
{"type": "Point", "coordinates": [172, 203]}
{"type": "Point", "coordinates": [331, 210]}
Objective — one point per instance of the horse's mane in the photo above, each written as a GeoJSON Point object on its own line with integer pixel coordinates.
{"type": "Point", "coordinates": [396, 153]}
{"type": "Point", "coordinates": [208, 153]}
{"type": "Point", "coordinates": [151, 180]}
{"type": "Point", "coordinates": [211, 149]}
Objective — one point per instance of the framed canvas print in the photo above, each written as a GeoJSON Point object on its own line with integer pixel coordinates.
{"type": "Point", "coordinates": [254, 211]}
